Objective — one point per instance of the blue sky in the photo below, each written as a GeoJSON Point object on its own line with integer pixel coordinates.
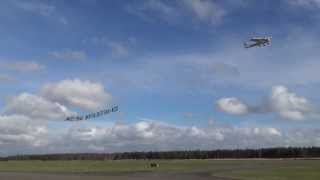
{"type": "Point", "coordinates": [177, 65]}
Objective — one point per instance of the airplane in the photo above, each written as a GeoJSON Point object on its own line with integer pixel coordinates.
{"type": "Point", "coordinates": [258, 41]}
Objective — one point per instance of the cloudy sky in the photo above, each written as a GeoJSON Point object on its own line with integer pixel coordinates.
{"type": "Point", "coordinates": [176, 69]}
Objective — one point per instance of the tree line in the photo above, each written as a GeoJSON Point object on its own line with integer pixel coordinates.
{"type": "Point", "coordinates": [280, 152]}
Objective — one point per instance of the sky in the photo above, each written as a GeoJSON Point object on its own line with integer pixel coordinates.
{"type": "Point", "coordinates": [177, 70]}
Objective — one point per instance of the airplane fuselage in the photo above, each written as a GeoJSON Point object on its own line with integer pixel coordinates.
{"type": "Point", "coordinates": [258, 41]}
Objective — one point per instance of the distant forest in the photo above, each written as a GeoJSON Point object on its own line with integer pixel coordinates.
{"type": "Point", "coordinates": [289, 152]}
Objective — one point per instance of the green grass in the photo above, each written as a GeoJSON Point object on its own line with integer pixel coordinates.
{"type": "Point", "coordinates": [279, 170]}
{"type": "Point", "coordinates": [242, 169]}
{"type": "Point", "coordinates": [106, 166]}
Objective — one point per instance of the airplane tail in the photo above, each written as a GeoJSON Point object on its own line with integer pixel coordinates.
{"type": "Point", "coordinates": [270, 40]}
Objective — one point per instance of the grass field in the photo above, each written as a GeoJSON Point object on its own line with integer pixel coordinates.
{"type": "Point", "coordinates": [241, 169]}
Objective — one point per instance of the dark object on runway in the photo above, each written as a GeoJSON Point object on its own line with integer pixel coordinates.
{"type": "Point", "coordinates": [154, 165]}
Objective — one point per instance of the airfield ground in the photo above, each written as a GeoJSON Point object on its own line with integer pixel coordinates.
{"type": "Point", "coordinates": [169, 169]}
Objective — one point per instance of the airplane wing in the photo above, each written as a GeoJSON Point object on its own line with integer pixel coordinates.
{"type": "Point", "coordinates": [256, 40]}
{"type": "Point", "coordinates": [250, 45]}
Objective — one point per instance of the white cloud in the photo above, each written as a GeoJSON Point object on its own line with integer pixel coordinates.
{"type": "Point", "coordinates": [289, 105]}
{"type": "Point", "coordinates": [69, 54]}
{"type": "Point", "coordinates": [281, 101]}
{"type": "Point", "coordinates": [305, 3]}
{"type": "Point", "coordinates": [165, 11]}
{"type": "Point", "coordinates": [205, 10]}
{"type": "Point", "coordinates": [155, 136]}
{"type": "Point", "coordinates": [118, 48]}
{"type": "Point", "coordinates": [36, 107]}
{"type": "Point", "coordinates": [232, 106]}
{"type": "Point", "coordinates": [267, 131]}
{"type": "Point", "coordinates": [258, 69]}
{"type": "Point", "coordinates": [22, 66]}
{"type": "Point", "coordinates": [77, 93]}
{"type": "Point", "coordinates": [17, 128]}
{"type": "Point", "coordinates": [38, 7]}
{"type": "Point", "coordinates": [54, 97]}
{"type": "Point", "coordinates": [151, 10]}
{"type": "Point", "coordinates": [19, 134]}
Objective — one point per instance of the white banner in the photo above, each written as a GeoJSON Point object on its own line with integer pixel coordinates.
{"type": "Point", "coordinates": [93, 115]}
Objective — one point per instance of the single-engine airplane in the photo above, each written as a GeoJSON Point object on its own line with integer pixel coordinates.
{"type": "Point", "coordinates": [258, 41]}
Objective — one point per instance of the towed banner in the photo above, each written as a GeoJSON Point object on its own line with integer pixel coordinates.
{"type": "Point", "coordinates": [92, 115]}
